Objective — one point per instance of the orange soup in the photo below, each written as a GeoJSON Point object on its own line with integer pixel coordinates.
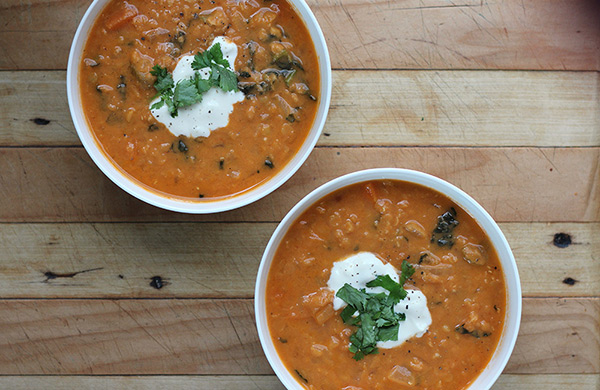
{"type": "Point", "coordinates": [275, 72]}
{"type": "Point", "coordinates": [455, 267]}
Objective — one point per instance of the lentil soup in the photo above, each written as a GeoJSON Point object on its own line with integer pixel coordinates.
{"type": "Point", "coordinates": [276, 69]}
{"type": "Point", "coordinates": [455, 267]}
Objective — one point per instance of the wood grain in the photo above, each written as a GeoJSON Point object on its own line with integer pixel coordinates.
{"type": "Point", "coordinates": [268, 382]}
{"type": "Point", "coordinates": [569, 322]}
{"type": "Point", "coordinates": [212, 260]}
{"type": "Point", "coordinates": [217, 337]}
{"type": "Point", "coordinates": [448, 108]}
{"type": "Point", "coordinates": [514, 185]}
{"type": "Point", "coordinates": [438, 34]}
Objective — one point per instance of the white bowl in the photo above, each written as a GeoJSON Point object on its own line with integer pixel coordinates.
{"type": "Point", "coordinates": [513, 313]}
{"type": "Point", "coordinates": [127, 183]}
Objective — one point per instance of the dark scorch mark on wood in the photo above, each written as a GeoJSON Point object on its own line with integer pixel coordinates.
{"type": "Point", "coordinates": [562, 240]}
{"type": "Point", "coordinates": [53, 275]}
{"type": "Point", "coordinates": [40, 121]}
{"type": "Point", "coordinates": [157, 282]}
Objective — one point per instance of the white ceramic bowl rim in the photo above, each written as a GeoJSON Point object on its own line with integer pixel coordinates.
{"type": "Point", "coordinates": [130, 185]}
{"type": "Point", "coordinates": [513, 313]}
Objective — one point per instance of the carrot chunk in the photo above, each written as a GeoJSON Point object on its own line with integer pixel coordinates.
{"type": "Point", "coordinates": [121, 17]}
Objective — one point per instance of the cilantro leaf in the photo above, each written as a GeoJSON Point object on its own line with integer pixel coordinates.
{"type": "Point", "coordinates": [189, 91]}
{"type": "Point", "coordinates": [158, 104]}
{"type": "Point", "coordinates": [186, 93]}
{"type": "Point", "coordinates": [396, 291]}
{"type": "Point", "coordinates": [389, 333]}
{"type": "Point", "coordinates": [201, 60]}
{"type": "Point", "coordinates": [220, 74]}
{"type": "Point", "coordinates": [171, 105]}
{"type": "Point", "coordinates": [216, 54]}
{"type": "Point", "coordinates": [202, 85]}
{"type": "Point", "coordinates": [353, 297]}
{"type": "Point", "coordinates": [164, 80]}
{"type": "Point", "coordinates": [407, 271]}
{"type": "Point", "coordinates": [374, 314]}
{"type": "Point", "coordinates": [227, 80]}
{"type": "Point", "coordinates": [367, 326]}
{"type": "Point", "coordinates": [207, 57]}
{"type": "Point", "coordinates": [348, 315]}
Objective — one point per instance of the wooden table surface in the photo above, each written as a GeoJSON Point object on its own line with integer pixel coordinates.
{"type": "Point", "coordinates": [499, 97]}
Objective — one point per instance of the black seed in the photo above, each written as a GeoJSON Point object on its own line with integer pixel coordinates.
{"type": "Point", "coordinates": [570, 281]}
{"type": "Point", "coordinates": [269, 163]}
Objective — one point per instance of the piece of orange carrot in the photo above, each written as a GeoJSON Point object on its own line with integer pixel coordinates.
{"type": "Point", "coordinates": [122, 16]}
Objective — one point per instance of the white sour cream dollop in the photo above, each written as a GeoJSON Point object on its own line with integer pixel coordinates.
{"type": "Point", "coordinates": [358, 270]}
{"type": "Point", "coordinates": [212, 113]}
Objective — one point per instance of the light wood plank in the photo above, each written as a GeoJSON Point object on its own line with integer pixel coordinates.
{"type": "Point", "coordinates": [129, 337]}
{"type": "Point", "coordinates": [533, 34]}
{"type": "Point", "coordinates": [376, 108]}
{"type": "Point", "coordinates": [249, 382]}
{"type": "Point", "coordinates": [505, 382]}
{"type": "Point", "coordinates": [141, 337]}
{"type": "Point", "coordinates": [34, 109]}
{"type": "Point", "coordinates": [514, 185]}
{"type": "Point", "coordinates": [201, 260]}
{"type": "Point", "coordinates": [573, 324]}
{"type": "Point", "coordinates": [547, 382]}
{"type": "Point", "coordinates": [211, 260]}
{"type": "Point", "coordinates": [508, 34]}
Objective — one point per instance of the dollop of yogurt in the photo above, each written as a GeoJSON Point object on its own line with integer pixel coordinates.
{"type": "Point", "coordinates": [198, 120]}
{"type": "Point", "coordinates": [358, 270]}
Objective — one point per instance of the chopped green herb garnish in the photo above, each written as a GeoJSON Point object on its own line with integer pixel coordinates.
{"type": "Point", "coordinates": [374, 314]}
{"type": "Point", "coordinates": [186, 94]}
{"type": "Point", "coordinates": [206, 58]}
{"type": "Point", "coordinates": [189, 91]}
{"type": "Point", "coordinates": [164, 80]}
{"type": "Point", "coordinates": [220, 74]}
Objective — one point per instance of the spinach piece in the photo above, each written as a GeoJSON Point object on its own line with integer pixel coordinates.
{"type": "Point", "coordinates": [442, 234]}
